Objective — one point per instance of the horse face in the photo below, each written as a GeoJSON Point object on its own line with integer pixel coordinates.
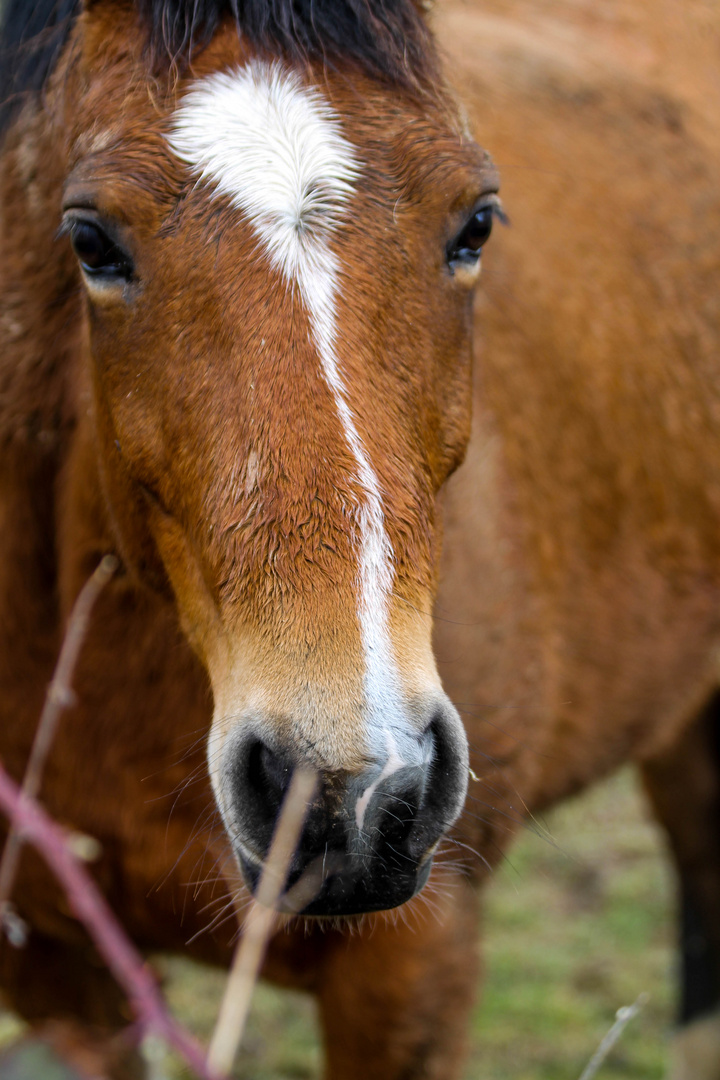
{"type": "Point", "coordinates": [278, 269]}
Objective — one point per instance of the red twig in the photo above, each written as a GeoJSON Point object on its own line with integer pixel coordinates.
{"type": "Point", "coordinates": [59, 696]}
{"type": "Point", "coordinates": [92, 909]}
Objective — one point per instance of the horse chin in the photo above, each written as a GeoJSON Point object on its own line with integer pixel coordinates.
{"type": "Point", "coordinates": [338, 890]}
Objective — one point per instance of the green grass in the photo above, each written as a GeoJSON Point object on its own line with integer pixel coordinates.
{"type": "Point", "coordinates": [577, 923]}
{"type": "Point", "coordinates": [281, 1037]}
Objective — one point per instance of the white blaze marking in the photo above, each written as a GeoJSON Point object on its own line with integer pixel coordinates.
{"type": "Point", "coordinates": [392, 765]}
{"type": "Point", "coordinates": [275, 148]}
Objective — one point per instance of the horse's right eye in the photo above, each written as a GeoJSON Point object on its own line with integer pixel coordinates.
{"type": "Point", "coordinates": [98, 254]}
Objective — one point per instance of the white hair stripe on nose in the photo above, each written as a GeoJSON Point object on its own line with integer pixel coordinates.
{"type": "Point", "coordinates": [275, 148]}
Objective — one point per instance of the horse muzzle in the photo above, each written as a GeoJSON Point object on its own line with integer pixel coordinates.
{"type": "Point", "coordinates": [368, 836]}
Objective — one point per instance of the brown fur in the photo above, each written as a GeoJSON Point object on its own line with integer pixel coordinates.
{"type": "Point", "coordinates": [578, 617]}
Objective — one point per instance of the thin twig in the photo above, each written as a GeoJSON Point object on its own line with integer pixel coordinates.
{"type": "Point", "coordinates": [92, 909]}
{"type": "Point", "coordinates": [622, 1019]}
{"type": "Point", "coordinates": [58, 698]}
{"type": "Point", "coordinates": [259, 924]}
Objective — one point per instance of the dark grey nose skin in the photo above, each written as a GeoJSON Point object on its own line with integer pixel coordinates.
{"type": "Point", "coordinates": [368, 838]}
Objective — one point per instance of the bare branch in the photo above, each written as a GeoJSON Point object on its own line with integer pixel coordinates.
{"type": "Point", "coordinates": [59, 697]}
{"type": "Point", "coordinates": [622, 1019]}
{"type": "Point", "coordinates": [260, 924]}
{"type": "Point", "coordinates": [30, 823]}
{"type": "Point", "coordinates": [92, 909]}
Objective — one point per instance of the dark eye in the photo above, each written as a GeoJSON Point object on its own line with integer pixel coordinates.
{"type": "Point", "coordinates": [98, 254]}
{"type": "Point", "coordinates": [467, 244]}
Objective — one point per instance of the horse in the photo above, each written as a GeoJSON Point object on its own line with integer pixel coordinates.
{"type": "Point", "coordinates": [239, 310]}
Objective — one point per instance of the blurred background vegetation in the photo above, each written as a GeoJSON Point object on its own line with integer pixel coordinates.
{"type": "Point", "coordinates": [578, 922]}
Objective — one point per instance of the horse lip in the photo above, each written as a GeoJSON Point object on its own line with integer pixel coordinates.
{"type": "Point", "coordinates": [302, 888]}
{"type": "Point", "coordinates": [360, 902]}
{"type": "Point", "coordinates": [312, 893]}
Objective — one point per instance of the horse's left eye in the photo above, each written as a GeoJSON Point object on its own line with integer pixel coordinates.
{"type": "Point", "coordinates": [97, 253]}
{"type": "Point", "coordinates": [467, 244]}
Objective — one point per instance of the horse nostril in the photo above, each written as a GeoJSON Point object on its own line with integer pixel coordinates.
{"type": "Point", "coordinates": [445, 749]}
{"type": "Point", "coordinates": [398, 810]}
{"type": "Point", "coordinates": [268, 777]}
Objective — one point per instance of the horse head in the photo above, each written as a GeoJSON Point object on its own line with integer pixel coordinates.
{"type": "Point", "coordinates": [277, 259]}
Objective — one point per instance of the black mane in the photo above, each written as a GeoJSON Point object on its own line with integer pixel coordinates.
{"type": "Point", "coordinates": [388, 38]}
{"type": "Point", "coordinates": [32, 36]}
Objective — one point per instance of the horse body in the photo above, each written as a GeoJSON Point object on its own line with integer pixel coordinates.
{"type": "Point", "coordinates": [602, 534]}
{"type": "Point", "coordinates": [577, 619]}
